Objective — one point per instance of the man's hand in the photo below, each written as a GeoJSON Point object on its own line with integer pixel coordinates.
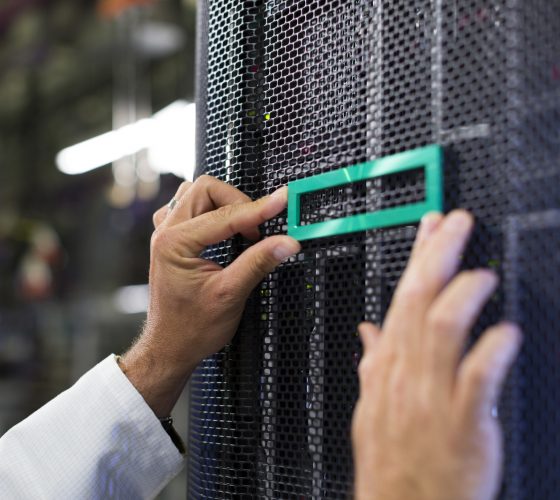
{"type": "Point", "coordinates": [423, 427]}
{"type": "Point", "coordinates": [196, 305]}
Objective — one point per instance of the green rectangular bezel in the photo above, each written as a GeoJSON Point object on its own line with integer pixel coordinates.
{"type": "Point", "coordinates": [429, 157]}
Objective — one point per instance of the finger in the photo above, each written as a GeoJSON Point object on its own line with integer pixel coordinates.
{"type": "Point", "coordinates": [213, 227]}
{"type": "Point", "coordinates": [376, 366]}
{"type": "Point", "coordinates": [426, 275]}
{"type": "Point", "coordinates": [160, 214]}
{"type": "Point", "coordinates": [255, 263]}
{"type": "Point", "coordinates": [441, 256]}
{"type": "Point", "coordinates": [183, 189]}
{"type": "Point", "coordinates": [176, 201]}
{"type": "Point", "coordinates": [369, 335]}
{"type": "Point", "coordinates": [449, 322]}
{"type": "Point", "coordinates": [428, 225]}
{"type": "Point", "coordinates": [483, 372]}
{"type": "Point", "coordinates": [207, 194]}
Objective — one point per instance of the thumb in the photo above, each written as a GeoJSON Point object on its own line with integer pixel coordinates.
{"type": "Point", "coordinates": [484, 370]}
{"type": "Point", "coordinates": [370, 336]}
{"type": "Point", "coordinates": [255, 263]}
{"type": "Point", "coordinates": [367, 369]}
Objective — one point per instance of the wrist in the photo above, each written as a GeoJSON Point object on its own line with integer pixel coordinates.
{"type": "Point", "coordinates": [158, 381]}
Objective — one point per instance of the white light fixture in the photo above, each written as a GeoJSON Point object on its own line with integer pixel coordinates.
{"type": "Point", "coordinates": [173, 147]}
{"type": "Point", "coordinates": [169, 137]}
{"type": "Point", "coordinates": [132, 299]}
{"type": "Point", "coordinates": [157, 39]}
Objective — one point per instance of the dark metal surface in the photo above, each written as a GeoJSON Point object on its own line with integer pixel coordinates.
{"type": "Point", "coordinates": [304, 87]}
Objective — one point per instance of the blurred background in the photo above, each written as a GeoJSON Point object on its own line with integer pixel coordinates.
{"type": "Point", "coordinates": [96, 131]}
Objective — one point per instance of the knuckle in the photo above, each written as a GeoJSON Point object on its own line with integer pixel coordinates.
{"type": "Point", "coordinates": [159, 240]}
{"type": "Point", "coordinates": [224, 212]}
{"type": "Point", "coordinates": [225, 293]}
{"type": "Point", "coordinates": [365, 368]}
{"type": "Point", "coordinates": [261, 264]}
{"type": "Point", "coordinates": [367, 375]}
{"type": "Point", "coordinates": [479, 375]}
{"type": "Point", "coordinates": [441, 321]}
{"type": "Point", "coordinates": [204, 180]}
{"type": "Point", "coordinates": [411, 291]}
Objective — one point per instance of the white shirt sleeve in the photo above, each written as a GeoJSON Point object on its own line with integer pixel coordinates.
{"type": "Point", "coordinates": [97, 440]}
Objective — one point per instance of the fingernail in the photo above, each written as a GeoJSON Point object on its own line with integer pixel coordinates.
{"type": "Point", "coordinates": [285, 250]}
{"type": "Point", "coordinates": [488, 274]}
{"type": "Point", "coordinates": [459, 219]}
{"type": "Point", "coordinates": [428, 224]}
{"type": "Point", "coordinates": [274, 203]}
{"type": "Point", "coordinates": [514, 331]}
{"type": "Point", "coordinates": [280, 194]}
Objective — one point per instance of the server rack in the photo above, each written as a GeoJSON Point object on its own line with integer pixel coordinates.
{"type": "Point", "coordinates": [292, 89]}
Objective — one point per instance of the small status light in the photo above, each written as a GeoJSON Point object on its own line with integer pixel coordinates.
{"type": "Point", "coordinates": [267, 116]}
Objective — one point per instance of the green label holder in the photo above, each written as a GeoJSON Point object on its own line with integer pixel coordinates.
{"type": "Point", "coordinates": [429, 157]}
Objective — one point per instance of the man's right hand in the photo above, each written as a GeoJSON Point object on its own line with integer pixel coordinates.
{"type": "Point", "coordinates": [195, 304]}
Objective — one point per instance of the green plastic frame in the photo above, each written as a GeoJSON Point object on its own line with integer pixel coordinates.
{"type": "Point", "coordinates": [429, 157]}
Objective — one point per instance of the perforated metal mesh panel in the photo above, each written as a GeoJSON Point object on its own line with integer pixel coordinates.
{"type": "Point", "coordinates": [291, 89]}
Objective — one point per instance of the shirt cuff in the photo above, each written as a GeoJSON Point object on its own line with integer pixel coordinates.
{"type": "Point", "coordinates": [141, 457]}
{"type": "Point", "coordinates": [98, 439]}
{"type": "Point", "coordinates": [135, 409]}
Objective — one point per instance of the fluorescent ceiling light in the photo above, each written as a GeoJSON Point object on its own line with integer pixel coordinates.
{"type": "Point", "coordinates": [132, 299]}
{"type": "Point", "coordinates": [156, 39]}
{"type": "Point", "coordinates": [169, 137]}
{"type": "Point", "coordinates": [105, 148]}
{"type": "Point", "coordinates": [173, 143]}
